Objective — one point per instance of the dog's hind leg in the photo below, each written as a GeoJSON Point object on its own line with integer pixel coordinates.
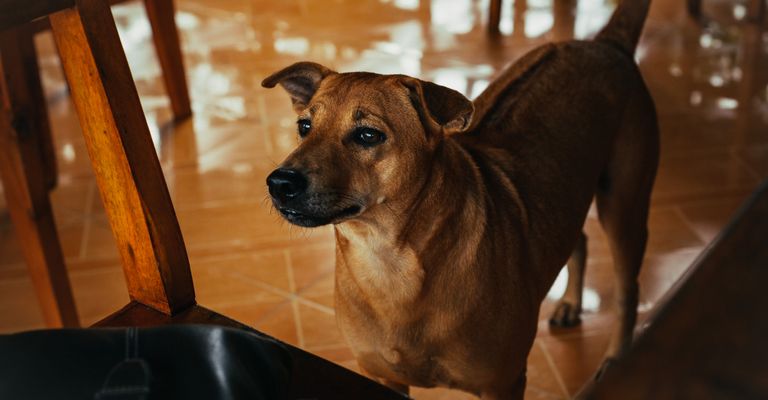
{"type": "Point", "coordinates": [623, 200]}
{"type": "Point", "coordinates": [568, 310]}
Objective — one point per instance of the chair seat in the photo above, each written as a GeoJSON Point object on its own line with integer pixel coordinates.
{"type": "Point", "coordinates": [171, 362]}
{"type": "Point", "coordinates": [311, 376]}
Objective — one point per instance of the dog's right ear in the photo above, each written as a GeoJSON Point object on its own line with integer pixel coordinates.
{"type": "Point", "coordinates": [300, 80]}
{"type": "Point", "coordinates": [440, 109]}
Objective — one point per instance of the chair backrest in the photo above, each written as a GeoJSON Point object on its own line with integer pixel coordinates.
{"type": "Point", "coordinates": [120, 147]}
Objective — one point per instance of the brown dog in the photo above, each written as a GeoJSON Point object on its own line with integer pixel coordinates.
{"type": "Point", "coordinates": [452, 225]}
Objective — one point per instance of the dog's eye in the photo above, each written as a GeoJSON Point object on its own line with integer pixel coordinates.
{"type": "Point", "coordinates": [368, 137]}
{"type": "Point", "coordinates": [304, 127]}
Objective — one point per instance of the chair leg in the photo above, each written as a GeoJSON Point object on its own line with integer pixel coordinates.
{"type": "Point", "coordinates": [494, 17]}
{"type": "Point", "coordinates": [694, 8]}
{"type": "Point", "coordinates": [166, 37]}
{"type": "Point", "coordinates": [26, 189]}
{"type": "Point", "coordinates": [123, 156]}
{"type": "Point", "coordinates": [38, 107]}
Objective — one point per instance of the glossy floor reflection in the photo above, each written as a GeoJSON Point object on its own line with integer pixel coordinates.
{"type": "Point", "coordinates": [709, 82]}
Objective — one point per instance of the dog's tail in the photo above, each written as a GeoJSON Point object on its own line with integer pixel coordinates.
{"type": "Point", "coordinates": [626, 25]}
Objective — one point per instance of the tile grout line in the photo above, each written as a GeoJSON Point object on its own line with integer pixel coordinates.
{"type": "Point", "coordinates": [744, 164]}
{"type": "Point", "coordinates": [283, 293]}
{"type": "Point", "coordinates": [554, 369]}
{"type": "Point", "coordinates": [689, 224]}
{"type": "Point", "coordinates": [294, 303]}
{"type": "Point", "coordinates": [88, 221]}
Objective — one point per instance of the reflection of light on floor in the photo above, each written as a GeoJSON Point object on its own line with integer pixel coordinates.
{"type": "Point", "coordinates": [68, 152]}
{"type": "Point", "coordinates": [454, 16]}
{"type": "Point", "coordinates": [452, 79]}
{"type": "Point", "coordinates": [695, 98]}
{"type": "Point", "coordinates": [725, 103]}
{"type": "Point", "coordinates": [478, 87]}
{"type": "Point", "coordinates": [739, 11]}
{"type": "Point", "coordinates": [407, 4]}
{"type": "Point", "coordinates": [297, 46]}
{"type": "Point", "coordinates": [675, 70]}
{"type": "Point", "coordinates": [242, 168]}
{"type": "Point", "coordinates": [590, 300]}
{"type": "Point", "coordinates": [591, 16]}
{"type": "Point", "coordinates": [538, 22]}
{"type": "Point", "coordinates": [186, 20]}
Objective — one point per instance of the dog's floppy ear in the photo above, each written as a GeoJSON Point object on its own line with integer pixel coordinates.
{"type": "Point", "coordinates": [439, 108]}
{"type": "Point", "coordinates": [300, 80]}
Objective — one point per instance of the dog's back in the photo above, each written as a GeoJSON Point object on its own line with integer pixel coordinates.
{"type": "Point", "coordinates": [556, 164]}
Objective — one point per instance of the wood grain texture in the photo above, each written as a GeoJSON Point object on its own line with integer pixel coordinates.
{"type": "Point", "coordinates": [312, 377]}
{"type": "Point", "coordinates": [706, 339]}
{"type": "Point", "coordinates": [26, 180]}
{"type": "Point", "coordinates": [127, 170]}
{"type": "Point", "coordinates": [166, 38]}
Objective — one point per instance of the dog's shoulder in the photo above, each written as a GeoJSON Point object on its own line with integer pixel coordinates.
{"type": "Point", "coordinates": [514, 75]}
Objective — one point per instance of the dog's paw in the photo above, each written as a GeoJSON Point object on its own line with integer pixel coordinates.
{"type": "Point", "coordinates": [565, 316]}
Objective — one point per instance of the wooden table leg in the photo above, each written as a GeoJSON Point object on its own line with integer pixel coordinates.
{"type": "Point", "coordinates": [24, 178]}
{"type": "Point", "coordinates": [166, 37]}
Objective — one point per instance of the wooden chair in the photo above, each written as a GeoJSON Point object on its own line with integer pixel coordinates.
{"type": "Point", "coordinates": [33, 174]}
{"type": "Point", "coordinates": [131, 182]}
{"type": "Point", "coordinates": [706, 337]}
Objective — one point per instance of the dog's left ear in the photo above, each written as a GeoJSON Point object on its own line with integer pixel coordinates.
{"type": "Point", "coordinates": [439, 108]}
{"type": "Point", "coordinates": [300, 80]}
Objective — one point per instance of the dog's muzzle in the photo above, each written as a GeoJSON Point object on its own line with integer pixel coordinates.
{"type": "Point", "coordinates": [290, 196]}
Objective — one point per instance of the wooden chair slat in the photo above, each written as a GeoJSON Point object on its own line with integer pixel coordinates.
{"type": "Point", "coordinates": [127, 170]}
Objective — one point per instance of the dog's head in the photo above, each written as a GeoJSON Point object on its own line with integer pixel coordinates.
{"type": "Point", "coordinates": [365, 140]}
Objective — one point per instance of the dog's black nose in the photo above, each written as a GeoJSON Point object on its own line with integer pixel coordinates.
{"type": "Point", "coordinates": [285, 184]}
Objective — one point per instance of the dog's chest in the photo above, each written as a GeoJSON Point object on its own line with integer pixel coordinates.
{"type": "Point", "coordinates": [368, 267]}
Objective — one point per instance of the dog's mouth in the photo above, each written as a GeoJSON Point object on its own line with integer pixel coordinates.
{"type": "Point", "coordinates": [305, 219]}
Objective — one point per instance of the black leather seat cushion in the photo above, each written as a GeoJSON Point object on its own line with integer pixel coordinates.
{"type": "Point", "coordinates": [172, 362]}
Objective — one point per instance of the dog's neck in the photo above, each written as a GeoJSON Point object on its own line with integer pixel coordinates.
{"type": "Point", "coordinates": [396, 242]}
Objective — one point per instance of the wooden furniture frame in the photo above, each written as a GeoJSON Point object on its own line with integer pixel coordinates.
{"type": "Point", "coordinates": [30, 172]}
{"type": "Point", "coordinates": [132, 185]}
{"type": "Point", "coordinates": [706, 337]}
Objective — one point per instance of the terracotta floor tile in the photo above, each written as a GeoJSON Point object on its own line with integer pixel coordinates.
{"type": "Point", "coordinates": [708, 217]}
{"type": "Point", "coordinates": [217, 285]}
{"type": "Point", "coordinates": [756, 158]}
{"type": "Point", "coordinates": [262, 269]}
{"type": "Point", "coordinates": [576, 357]}
{"type": "Point", "coordinates": [439, 394]}
{"type": "Point", "coordinates": [696, 176]}
{"type": "Point", "coordinates": [18, 306]}
{"type": "Point", "coordinates": [274, 318]}
{"type": "Point", "coordinates": [313, 269]}
{"type": "Point", "coordinates": [319, 326]}
{"type": "Point", "coordinates": [98, 293]}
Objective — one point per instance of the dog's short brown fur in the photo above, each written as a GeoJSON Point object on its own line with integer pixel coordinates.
{"type": "Point", "coordinates": [451, 228]}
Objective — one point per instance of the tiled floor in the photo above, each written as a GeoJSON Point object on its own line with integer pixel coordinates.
{"type": "Point", "coordinates": [709, 83]}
